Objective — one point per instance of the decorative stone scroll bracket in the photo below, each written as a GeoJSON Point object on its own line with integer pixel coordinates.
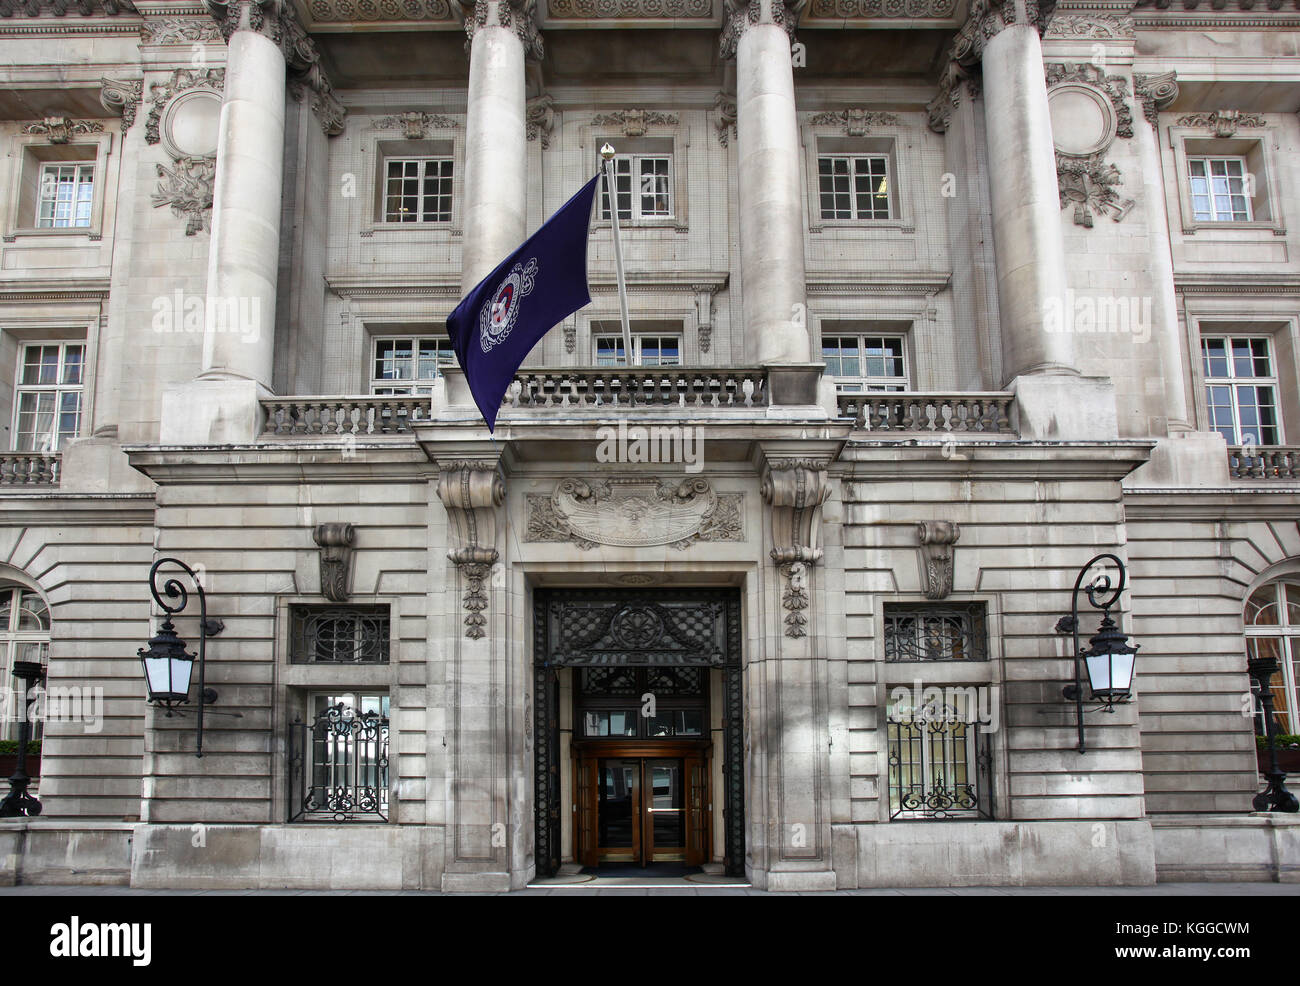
{"type": "Point", "coordinates": [938, 539]}
{"type": "Point", "coordinates": [724, 118]}
{"type": "Point", "coordinates": [471, 490]}
{"type": "Point", "coordinates": [276, 20]}
{"type": "Point", "coordinates": [122, 96]}
{"type": "Point", "coordinates": [795, 490]}
{"type": "Point", "coordinates": [540, 121]}
{"type": "Point", "coordinates": [1155, 92]}
{"type": "Point", "coordinates": [335, 542]}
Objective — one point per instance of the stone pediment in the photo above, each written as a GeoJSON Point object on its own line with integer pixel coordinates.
{"type": "Point", "coordinates": [634, 512]}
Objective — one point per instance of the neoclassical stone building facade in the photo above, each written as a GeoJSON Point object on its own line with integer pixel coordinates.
{"type": "Point", "coordinates": [932, 301]}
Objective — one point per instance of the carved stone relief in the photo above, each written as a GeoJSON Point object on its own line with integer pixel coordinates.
{"type": "Point", "coordinates": [937, 538]}
{"type": "Point", "coordinates": [634, 512]}
{"type": "Point", "coordinates": [795, 490]}
{"type": "Point", "coordinates": [61, 129]}
{"type": "Point", "coordinates": [187, 188]}
{"type": "Point", "coordinates": [634, 123]}
{"type": "Point", "coordinates": [856, 122]}
{"type": "Point", "coordinates": [472, 490]}
{"type": "Point", "coordinates": [415, 126]}
{"type": "Point", "coordinates": [1085, 180]}
{"type": "Point", "coordinates": [335, 542]}
{"type": "Point", "coordinates": [122, 96]}
{"type": "Point", "coordinates": [1224, 123]}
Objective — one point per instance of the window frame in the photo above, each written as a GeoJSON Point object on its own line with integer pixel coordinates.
{"type": "Point", "coordinates": [1234, 382]}
{"type": "Point", "coordinates": [1288, 678]}
{"type": "Point", "coordinates": [636, 190]}
{"type": "Point", "coordinates": [853, 175]}
{"type": "Point", "coordinates": [77, 200]}
{"type": "Point", "coordinates": [31, 153]}
{"type": "Point", "coordinates": [12, 638]}
{"type": "Point", "coordinates": [1207, 162]}
{"type": "Point", "coordinates": [423, 161]}
{"type": "Point", "coordinates": [401, 386]}
{"type": "Point", "coordinates": [377, 146]}
{"type": "Point", "coordinates": [666, 139]}
{"type": "Point", "coordinates": [1257, 146]}
{"type": "Point", "coordinates": [638, 339]}
{"type": "Point", "coordinates": [318, 702]}
{"type": "Point", "coordinates": [866, 383]}
{"type": "Point", "coordinates": [905, 169]}
{"type": "Point", "coordinates": [58, 389]}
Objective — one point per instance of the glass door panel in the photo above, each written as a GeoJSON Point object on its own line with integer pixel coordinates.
{"type": "Point", "coordinates": [618, 810]}
{"type": "Point", "coordinates": [666, 808]}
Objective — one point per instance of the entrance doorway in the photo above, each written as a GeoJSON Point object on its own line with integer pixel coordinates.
{"type": "Point", "coordinates": [641, 810]}
{"type": "Point", "coordinates": [652, 756]}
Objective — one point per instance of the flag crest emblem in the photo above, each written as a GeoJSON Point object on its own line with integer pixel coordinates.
{"type": "Point", "coordinates": [501, 310]}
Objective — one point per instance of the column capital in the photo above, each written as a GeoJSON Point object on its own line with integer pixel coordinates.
{"type": "Point", "coordinates": [741, 16]}
{"type": "Point", "coordinates": [276, 21]}
{"type": "Point", "coordinates": [517, 15]}
{"type": "Point", "coordinates": [1155, 92]}
{"type": "Point", "coordinates": [987, 18]}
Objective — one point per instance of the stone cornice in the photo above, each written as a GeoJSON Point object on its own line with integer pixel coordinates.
{"type": "Point", "coordinates": [1237, 284]}
{"type": "Point", "coordinates": [276, 20]}
{"type": "Point", "coordinates": [62, 8]}
{"type": "Point", "coordinates": [517, 15]}
{"type": "Point", "coordinates": [903, 284]}
{"type": "Point", "coordinates": [31, 289]}
{"type": "Point", "coordinates": [1235, 503]}
{"type": "Point", "coordinates": [740, 16]}
{"type": "Point", "coordinates": [873, 462]}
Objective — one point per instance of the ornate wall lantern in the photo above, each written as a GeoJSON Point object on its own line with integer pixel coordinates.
{"type": "Point", "coordinates": [168, 668]}
{"type": "Point", "coordinates": [1109, 659]}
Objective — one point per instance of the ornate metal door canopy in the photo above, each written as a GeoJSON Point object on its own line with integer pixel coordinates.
{"type": "Point", "coordinates": [621, 627]}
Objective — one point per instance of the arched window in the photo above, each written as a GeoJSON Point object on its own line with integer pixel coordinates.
{"type": "Point", "coordinates": [1273, 630]}
{"type": "Point", "coordinates": [24, 636]}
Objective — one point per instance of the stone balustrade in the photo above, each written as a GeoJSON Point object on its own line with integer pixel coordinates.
{"type": "Point", "coordinates": [29, 468]}
{"type": "Point", "coordinates": [364, 415]}
{"type": "Point", "coordinates": [1275, 462]}
{"type": "Point", "coordinates": [642, 386]}
{"type": "Point", "coordinates": [977, 412]}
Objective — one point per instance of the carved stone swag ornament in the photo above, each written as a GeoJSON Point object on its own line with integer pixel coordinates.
{"type": "Point", "coordinates": [471, 490]}
{"type": "Point", "coordinates": [795, 490]}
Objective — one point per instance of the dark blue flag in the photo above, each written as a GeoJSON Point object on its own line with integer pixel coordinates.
{"type": "Point", "coordinates": [534, 289]}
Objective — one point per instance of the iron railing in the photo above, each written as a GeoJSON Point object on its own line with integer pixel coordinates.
{"type": "Point", "coordinates": [938, 764]}
{"type": "Point", "coordinates": [338, 767]}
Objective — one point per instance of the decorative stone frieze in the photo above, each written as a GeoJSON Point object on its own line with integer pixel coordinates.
{"type": "Point", "coordinates": [1155, 92]}
{"type": "Point", "coordinates": [275, 20]}
{"type": "Point", "coordinates": [335, 542]}
{"type": "Point", "coordinates": [633, 513]}
{"type": "Point", "coordinates": [841, 10]}
{"type": "Point", "coordinates": [938, 539]}
{"type": "Point", "coordinates": [122, 96]}
{"type": "Point", "coordinates": [724, 119]}
{"type": "Point", "coordinates": [856, 122]}
{"type": "Point", "coordinates": [187, 188]}
{"type": "Point", "coordinates": [61, 129]}
{"type": "Point", "coordinates": [540, 121]}
{"type": "Point", "coordinates": [1224, 123]}
{"type": "Point", "coordinates": [415, 126]}
{"type": "Point", "coordinates": [629, 9]}
{"type": "Point", "coordinates": [740, 16]}
{"type": "Point", "coordinates": [517, 15]}
{"type": "Point", "coordinates": [60, 8]}
{"type": "Point", "coordinates": [181, 80]}
{"type": "Point", "coordinates": [1092, 27]}
{"type": "Point", "coordinates": [348, 11]}
{"type": "Point", "coordinates": [634, 123]}
{"type": "Point", "coordinates": [471, 490]}
{"type": "Point", "coordinates": [795, 490]}
{"type": "Point", "coordinates": [179, 31]}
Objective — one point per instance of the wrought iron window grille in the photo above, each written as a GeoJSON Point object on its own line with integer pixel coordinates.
{"type": "Point", "coordinates": [939, 766]}
{"type": "Point", "coordinates": [337, 635]}
{"type": "Point", "coordinates": [936, 633]}
{"type": "Point", "coordinates": [338, 767]}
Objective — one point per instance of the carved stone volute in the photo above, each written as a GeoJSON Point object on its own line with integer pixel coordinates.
{"type": "Point", "coordinates": [471, 490]}
{"type": "Point", "coordinates": [335, 541]}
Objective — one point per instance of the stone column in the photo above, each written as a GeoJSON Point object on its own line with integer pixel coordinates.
{"type": "Point", "coordinates": [1003, 36]}
{"type": "Point", "coordinates": [770, 191]}
{"type": "Point", "coordinates": [1154, 91]}
{"type": "Point", "coordinates": [501, 35]}
{"type": "Point", "coordinates": [262, 37]}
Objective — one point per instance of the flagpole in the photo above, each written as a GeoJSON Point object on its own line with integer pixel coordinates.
{"type": "Point", "coordinates": [607, 157]}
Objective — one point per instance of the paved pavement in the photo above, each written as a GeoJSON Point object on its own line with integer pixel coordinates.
{"type": "Point", "coordinates": [588, 890]}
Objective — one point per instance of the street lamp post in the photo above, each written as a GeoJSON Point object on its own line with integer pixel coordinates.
{"type": "Point", "coordinates": [1275, 797]}
{"type": "Point", "coordinates": [1109, 658]}
{"type": "Point", "coordinates": [18, 802]}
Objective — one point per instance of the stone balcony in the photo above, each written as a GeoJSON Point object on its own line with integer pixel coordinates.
{"type": "Point", "coordinates": [29, 469]}
{"type": "Point", "coordinates": [1279, 463]}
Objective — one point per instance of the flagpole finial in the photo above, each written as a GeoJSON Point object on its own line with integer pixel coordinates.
{"type": "Point", "coordinates": [607, 151]}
